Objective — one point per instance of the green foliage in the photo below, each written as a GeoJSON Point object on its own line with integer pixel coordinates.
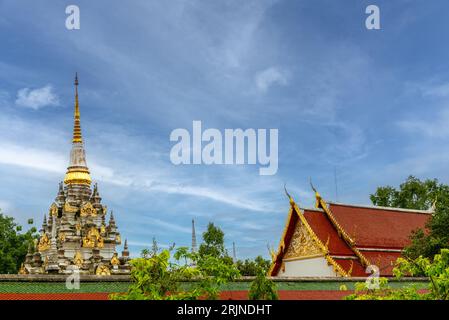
{"type": "Point", "coordinates": [422, 195]}
{"type": "Point", "coordinates": [13, 244]}
{"type": "Point", "coordinates": [213, 242]}
{"type": "Point", "coordinates": [250, 267]}
{"type": "Point", "coordinates": [437, 271]}
{"type": "Point", "coordinates": [155, 277]}
{"type": "Point", "coordinates": [262, 288]}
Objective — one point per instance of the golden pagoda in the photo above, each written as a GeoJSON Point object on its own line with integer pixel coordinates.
{"type": "Point", "coordinates": [76, 237]}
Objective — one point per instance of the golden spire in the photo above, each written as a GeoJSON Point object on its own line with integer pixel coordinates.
{"type": "Point", "coordinates": [77, 172]}
{"type": "Point", "coordinates": [77, 123]}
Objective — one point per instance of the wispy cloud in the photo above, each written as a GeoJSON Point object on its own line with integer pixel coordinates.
{"type": "Point", "coordinates": [269, 77]}
{"type": "Point", "coordinates": [212, 194]}
{"type": "Point", "coordinates": [37, 98]}
{"type": "Point", "coordinates": [166, 225]}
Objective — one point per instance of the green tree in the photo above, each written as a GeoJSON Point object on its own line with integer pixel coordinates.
{"type": "Point", "coordinates": [436, 270]}
{"type": "Point", "coordinates": [213, 244]}
{"type": "Point", "coordinates": [13, 244]}
{"type": "Point", "coordinates": [262, 288]}
{"type": "Point", "coordinates": [422, 195]}
{"type": "Point", "coordinates": [249, 267]}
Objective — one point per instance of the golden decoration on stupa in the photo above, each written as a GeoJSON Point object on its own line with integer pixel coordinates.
{"type": "Point", "coordinates": [69, 208]}
{"type": "Point", "coordinates": [44, 243]}
{"type": "Point", "coordinates": [54, 210]}
{"type": "Point", "coordinates": [102, 270]}
{"type": "Point", "coordinates": [115, 261]}
{"type": "Point", "coordinates": [78, 259]}
{"type": "Point", "coordinates": [88, 210]}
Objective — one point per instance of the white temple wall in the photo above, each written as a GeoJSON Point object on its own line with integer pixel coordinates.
{"type": "Point", "coordinates": [312, 267]}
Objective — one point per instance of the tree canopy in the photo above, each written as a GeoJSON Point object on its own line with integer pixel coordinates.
{"type": "Point", "coordinates": [421, 195]}
{"type": "Point", "coordinates": [213, 242]}
{"type": "Point", "coordinates": [13, 244]}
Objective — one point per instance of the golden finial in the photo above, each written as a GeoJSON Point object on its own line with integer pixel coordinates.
{"type": "Point", "coordinates": [77, 124]}
{"type": "Point", "coordinates": [292, 202]}
{"type": "Point", "coordinates": [317, 195]}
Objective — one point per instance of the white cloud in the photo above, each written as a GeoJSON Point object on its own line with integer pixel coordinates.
{"type": "Point", "coordinates": [269, 77]}
{"type": "Point", "coordinates": [37, 98]}
{"type": "Point", "coordinates": [223, 197]}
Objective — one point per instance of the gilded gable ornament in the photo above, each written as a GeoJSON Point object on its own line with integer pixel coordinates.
{"type": "Point", "coordinates": [88, 210]}
{"type": "Point", "coordinates": [102, 270]}
{"type": "Point", "coordinates": [44, 243]}
{"type": "Point", "coordinates": [302, 244]}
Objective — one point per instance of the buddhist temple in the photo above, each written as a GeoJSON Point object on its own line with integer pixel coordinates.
{"type": "Point", "coordinates": [76, 236]}
{"type": "Point", "coordinates": [342, 240]}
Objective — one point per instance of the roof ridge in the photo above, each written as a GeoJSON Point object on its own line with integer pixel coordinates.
{"type": "Point", "coordinates": [382, 208]}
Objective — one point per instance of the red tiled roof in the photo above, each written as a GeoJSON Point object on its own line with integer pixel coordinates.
{"type": "Point", "coordinates": [325, 231]}
{"type": "Point", "coordinates": [383, 260]}
{"type": "Point", "coordinates": [378, 228]}
{"type": "Point", "coordinates": [357, 270]}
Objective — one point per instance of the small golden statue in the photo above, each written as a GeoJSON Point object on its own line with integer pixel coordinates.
{"type": "Point", "coordinates": [78, 259]}
{"type": "Point", "coordinates": [115, 261]}
{"type": "Point", "coordinates": [44, 243]}
{"type": "Point", "coordinates": [54, 210]}
{"type": "Point", "coordinates": [118, 240]}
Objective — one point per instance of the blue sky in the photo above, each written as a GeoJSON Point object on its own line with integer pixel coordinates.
{"type": "Point", "coordinates": [372, 105]}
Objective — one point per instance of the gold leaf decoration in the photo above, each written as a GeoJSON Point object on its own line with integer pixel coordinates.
{"type": "Point", "coordinates": [102, 270]}
{"type": "Point", "coordinates": [302, 244]}
{"type": "Point", "coordinates": [78, 259]}
{"type": "Point", "coordinates": [88, 210]}
{"type": "Point", "coordinates": [44, 243]}
{"type": "Point", "coordinates": [54, 210]}
{"type": "Point", "coordinates": [115, 260]}
{"type": "Point", "coordinates": [70, 208]}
